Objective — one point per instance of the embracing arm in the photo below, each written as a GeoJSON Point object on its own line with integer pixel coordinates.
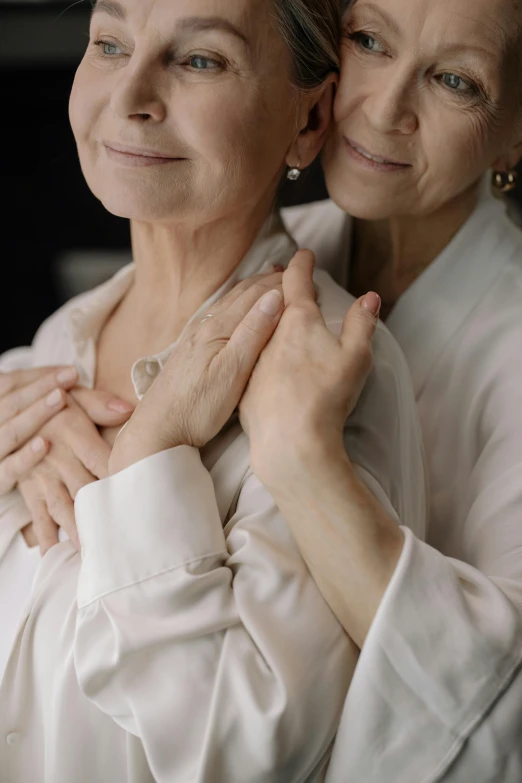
{"type": "Point", "coordinates": [213, 646]}
{"type": "Point", "coordinates": [437, 691]}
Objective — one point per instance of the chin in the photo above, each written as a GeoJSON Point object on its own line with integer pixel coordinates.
{"type": "Point", "coordinates": [148, 205]}
{"type": "Point", "coordinates": [364, 205]}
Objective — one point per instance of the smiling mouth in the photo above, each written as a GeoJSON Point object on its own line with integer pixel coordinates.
{"type": "Point", "coordinates": [137, 157]}
{"type": "Point", "coordinates": [375, 158]}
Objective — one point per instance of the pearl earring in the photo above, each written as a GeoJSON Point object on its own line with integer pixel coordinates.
{"type": "Point", "coordinates": [294, 173]}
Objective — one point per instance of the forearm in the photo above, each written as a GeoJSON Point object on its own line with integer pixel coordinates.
{"type": "Point", "coordinates": [349, 542]}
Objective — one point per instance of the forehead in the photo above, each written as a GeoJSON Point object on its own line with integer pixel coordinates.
{"type": "Point", "coordinates": [493, 25]}
{"type": "Point", "coordinates": [246, 15]}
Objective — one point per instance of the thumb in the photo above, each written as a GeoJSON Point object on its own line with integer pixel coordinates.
{"type": "Point", "coordinates": [361, 321]}
{"type": "Point", "coordinates": [102, 408]}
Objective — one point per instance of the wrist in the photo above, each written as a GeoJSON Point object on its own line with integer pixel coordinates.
{"type": "Point", "coordinates": [306, 459]}
{"type": "Point", "coordinates": [129, 451]}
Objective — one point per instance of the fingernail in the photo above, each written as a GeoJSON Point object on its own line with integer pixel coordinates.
{"type": "Point", "coordinates": [372, 302]}
{"type": "Point", "coordinates": [271, 303]}
{"type": "Point", "coordinates": [38, 444]}
{"type": "Point", "coordinates": [67, 376]}
{"type": "Point", "coordinates": [120, 406]}
{"type": "Point", "coordinates": [54, 398]}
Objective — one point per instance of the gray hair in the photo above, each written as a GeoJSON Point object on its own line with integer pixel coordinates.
{"type": "Point", "coordinates": [312, 30]}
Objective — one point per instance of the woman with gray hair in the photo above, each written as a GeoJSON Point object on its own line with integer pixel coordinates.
{"type": "Point", "coordinates": [189, 642]}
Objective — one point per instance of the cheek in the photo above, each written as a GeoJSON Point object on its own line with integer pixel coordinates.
{"type": "Point", "coordinates": [460, 154]}
{"type": "Point", "coordinates": [238, 134]}
{"type": "Point", "coordinates": [351, 86]}
{"type": "Point", "coordinates": [85, 105]}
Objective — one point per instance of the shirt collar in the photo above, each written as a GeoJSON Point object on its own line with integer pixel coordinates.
{"type": "Point", "coordinates": [90, 312]}
{"type": "Point", "coordinates": [437, 304]}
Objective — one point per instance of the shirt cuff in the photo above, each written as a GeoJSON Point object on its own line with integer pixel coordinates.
{"type": "Point", "coordinates": [445, 644]}
{"type": "Point", "coordinates": [150, 518]}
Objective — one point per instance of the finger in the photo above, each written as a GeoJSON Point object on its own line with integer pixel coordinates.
{"type": "Point", "coordinates": [360, 322]}
{"type": "Point", "coordinates": [9, 381]}
{"type": "Point", "coordinates": [61, 509]}
{"type": "Point", "coordinates": [102, 408]}
{"type": "Point", "coordinates": [20, 399]}
{"type": "Point", "coordinates": [269, 280]}
{"type": "Point", "coordinates": [72, 472]}
{"type": "Point", "coordinates": [16, 432]}
{"type": "Point", "coordinates": [298, 280]}
{"type": "Point", "coordinates": [224, 324]}
{"type": "Point", "coordinates": [254, 332]}
{"type": "Point", "coordinates": [14, 468]}
{"type": "Point", "coordinates": [44, 528]}
{"type": "Point", "coordinates": [87, 444]}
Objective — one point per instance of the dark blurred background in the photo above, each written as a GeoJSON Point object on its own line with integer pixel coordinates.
{"type": "Point", "coordinates": [56, 238]}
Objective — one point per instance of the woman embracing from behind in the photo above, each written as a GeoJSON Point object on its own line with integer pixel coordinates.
{"type": "Point", "coordinates": [427, 114]}
{"type": "Point", "coordinates": [189, 641]}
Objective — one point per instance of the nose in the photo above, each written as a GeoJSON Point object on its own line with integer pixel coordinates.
{"type": "Point", "coordinates": [390, 106]}
{"type": "Point", "coordinates": [137, 94]}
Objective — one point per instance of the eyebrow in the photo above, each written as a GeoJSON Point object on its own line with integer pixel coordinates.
{"type": "Point", "coordinates": [392, 24]}
{"type": "Point", "coordinates": [198, 23]}
{"type": "Point", "coordinates": [111, 8]}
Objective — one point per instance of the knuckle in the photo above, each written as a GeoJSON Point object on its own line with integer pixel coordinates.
{"type": "Point", "coordinates": [12, 437]}
{"type": "Point", "coordinates": [12, 406]}
{"type": "Point", "coordinates": [93, 459]}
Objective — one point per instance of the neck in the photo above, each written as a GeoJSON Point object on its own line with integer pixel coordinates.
{"type": "Point", "coordinates": [389, 255]}
{"type": "Point", "coordinates": [178, 267]}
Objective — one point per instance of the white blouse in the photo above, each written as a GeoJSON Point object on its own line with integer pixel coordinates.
{"type": "Point", "coordinates": [437, 694]}
{"type": "Point", "coordinates": [189, 643]}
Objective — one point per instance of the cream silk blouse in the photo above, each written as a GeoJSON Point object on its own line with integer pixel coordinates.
{"type": "Point", "coordinates": [437, 695]}
{"type": "Point", "coordinates": [189, 642]}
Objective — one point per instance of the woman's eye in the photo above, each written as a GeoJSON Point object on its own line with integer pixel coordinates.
{"type": "Point", "coordinates": [367, 42]}
{"type": "Point", "coordinates": [200, 63]}
{"type": "Point", "coordinates": [108, 49]}
{"type": "Point", "coordinates": [456, 83]}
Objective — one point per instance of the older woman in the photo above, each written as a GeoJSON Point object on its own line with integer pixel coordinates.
{"type": "Point", "coordinates": [430, 100]}
{"type": "Point", "coordinates": [190, 641]}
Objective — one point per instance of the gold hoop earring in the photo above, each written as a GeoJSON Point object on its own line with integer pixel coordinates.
{"type": "Point", "coordinates": [504, 181]}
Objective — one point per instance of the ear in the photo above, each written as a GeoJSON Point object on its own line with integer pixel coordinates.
{"type": "Point", "coordinates": [315, 111]}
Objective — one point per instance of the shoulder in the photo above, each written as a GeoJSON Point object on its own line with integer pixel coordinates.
{"type": "Point", "coordinates": [54, 340]}
{"type": "Point", "coordinates": [326, 230]}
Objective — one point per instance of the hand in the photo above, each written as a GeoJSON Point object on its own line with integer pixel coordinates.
{"type": "Point", "coordinates": [28, 399]}
{"type": "Point", "coordinates": [78, 455]}
{"type": "Point", "coordinates": [206, 374]}
{"type": "Point", "coordinates": [306, 382]}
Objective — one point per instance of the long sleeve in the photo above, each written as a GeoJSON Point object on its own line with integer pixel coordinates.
{"type": "Point", "coordinates": [438, 668]}
{"type": "Point", "coordinates": [211, 644]}
{"type": "Point", "coordinates": [440, 675]}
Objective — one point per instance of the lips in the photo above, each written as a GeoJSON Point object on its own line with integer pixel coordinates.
{"type": "Point", "coordinates": [140, 152]}
{"type": "Point", "coordinates": [375, 158]}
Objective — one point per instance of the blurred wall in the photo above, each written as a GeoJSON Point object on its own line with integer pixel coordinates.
{"type": "Point", "coordinates": [47, 210]}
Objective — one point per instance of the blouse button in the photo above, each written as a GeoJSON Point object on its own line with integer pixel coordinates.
{"type": "Point", "coordinates": [13, 738]}
{"type": "Point", "coordinates": [152, 369]}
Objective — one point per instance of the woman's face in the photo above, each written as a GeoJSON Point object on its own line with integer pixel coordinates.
{"type": "Point", "coordinates": [204, 85]}
{"type": "Point", "coordinates": [429, 99]}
